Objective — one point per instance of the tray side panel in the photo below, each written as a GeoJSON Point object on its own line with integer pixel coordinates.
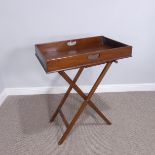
{"type": "Point", "coordinates": [113, 43]}
{"type": "Point", "coordinates": [41, 58]}
{"type": "Point", "coordinates": [82, 60]}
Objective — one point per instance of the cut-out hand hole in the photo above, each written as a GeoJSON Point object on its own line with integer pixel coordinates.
{"type": "Point", "coordinates": [71, 43]}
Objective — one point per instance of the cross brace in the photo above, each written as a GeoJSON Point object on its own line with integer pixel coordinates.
{"type": "Point", "coordinates": [87, 100]}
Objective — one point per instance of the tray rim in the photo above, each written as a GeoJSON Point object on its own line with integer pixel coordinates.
{"type": "Point", "coordinates": [73, 39]}
{"type": "Point", "coordinates": [95, 51]}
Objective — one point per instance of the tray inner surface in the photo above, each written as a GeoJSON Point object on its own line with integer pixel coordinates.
{"type": "Point", "coordinates": [81, 46]}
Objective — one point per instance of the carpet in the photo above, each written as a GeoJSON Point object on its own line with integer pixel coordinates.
{"type": "Point", "coordinates": [25, 128]}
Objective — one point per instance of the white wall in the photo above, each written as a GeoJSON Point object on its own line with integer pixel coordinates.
{"type": "Point", "coordinates": [1, 84]}
{"type": "Point", "coordinates": [26, 22]}
{"type": "Point", "coordinates": [1, 87]}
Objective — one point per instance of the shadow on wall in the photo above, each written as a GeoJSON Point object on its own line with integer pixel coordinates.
{"type": "Point", "coordinates": [2, 86]}
{"type": "Point", "coordinates": [22, 69]}
{"type": "Point", "coordinates": [35, 112]}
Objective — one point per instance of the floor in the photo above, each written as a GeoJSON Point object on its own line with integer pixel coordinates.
{"type": "Point", "coordinates": [25, 128]}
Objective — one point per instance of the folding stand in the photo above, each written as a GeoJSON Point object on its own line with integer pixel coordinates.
{"type": "Point", "coordinates": [87, 100]}
{"type": "Point", "coordinates": [80, 53]}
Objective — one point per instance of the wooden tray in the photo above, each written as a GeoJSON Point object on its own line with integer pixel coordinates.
{"type": "Point", "coordinates": [69, 54]}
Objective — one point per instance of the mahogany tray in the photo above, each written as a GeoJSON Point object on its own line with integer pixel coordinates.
{"type": "Point", "coordinates": [69, 54]}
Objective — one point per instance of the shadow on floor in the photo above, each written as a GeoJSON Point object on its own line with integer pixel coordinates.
{"type": "Point", "coordinates": [35, 112]}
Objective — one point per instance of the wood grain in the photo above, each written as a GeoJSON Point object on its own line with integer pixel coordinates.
{"type": "Point", "coordinates": [58, 56]}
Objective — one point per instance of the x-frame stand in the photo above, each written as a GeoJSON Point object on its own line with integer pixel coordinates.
{"type": "Point", "coordinates": [87, 100]}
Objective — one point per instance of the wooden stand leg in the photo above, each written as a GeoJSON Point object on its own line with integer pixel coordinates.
{"type": "Point", "coordinates": [93, 106]}
{"type": "Point", "coordinates": [66, 95]}
{"type": "Point", "coordinates": [77, 115]}
{"type": "Point", "coordinates": [79, 91]}
{"type": "Point", "coordinates": [86, 100]}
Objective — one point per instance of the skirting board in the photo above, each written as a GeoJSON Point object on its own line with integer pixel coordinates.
{"type": "Point", "coordinates": [3, 96]}
{"type": "Point", "coordinates": [86, 89]}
